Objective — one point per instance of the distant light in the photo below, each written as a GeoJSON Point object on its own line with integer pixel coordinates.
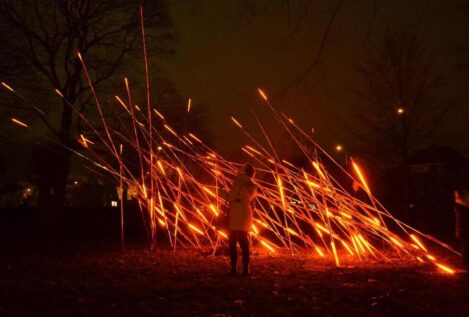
{"type": "Point", "coordinates": [339, 148]}
{"type": "Point", "coordinates": [75, 182]}
{"type": "Point", "coordinates": [113, 203]}
{"type": "Point", "coordinates": [28, 189]}
{"type": "Point", "coordinates": [400, 110]}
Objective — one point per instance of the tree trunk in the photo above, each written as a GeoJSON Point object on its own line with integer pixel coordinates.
{"type": "Point", "coordinates": [52, 172]}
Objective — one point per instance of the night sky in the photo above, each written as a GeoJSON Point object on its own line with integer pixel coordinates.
{"type": "Point", "coordinates": [222, 57]}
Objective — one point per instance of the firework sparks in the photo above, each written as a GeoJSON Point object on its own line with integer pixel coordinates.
{"type": "Point", "coordinates": [298, 207]}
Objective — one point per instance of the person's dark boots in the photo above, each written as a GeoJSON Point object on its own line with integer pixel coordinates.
{"type": "Point", "coordinates": [245, 269]}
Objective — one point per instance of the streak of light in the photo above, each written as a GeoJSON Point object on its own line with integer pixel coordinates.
{"type": "Point", "coordinates": [262, 94]}
{"type": "Point", "coordinates": [419, 243]}
{"type": "Point", "coordinates": [360, 176]}
{"type": "Point", "coordinates": [18, 122]}
{"type": "Point", "coordinates": [268, 246]}
{"type": "Point", "coordinates": [236, 122]}
{"type": "Point", "coordinates": [336, 257]}
{"type": "Point", "coordinates": [319, 251]}
{"type": "Point", "coordinates": [445, 268]}
{"type": "Point", "coordinates": [196, 229]}
{"type": "Point", "coordinates": [158, 114]}
{"type": "Point", "coordinates": [7, 86]}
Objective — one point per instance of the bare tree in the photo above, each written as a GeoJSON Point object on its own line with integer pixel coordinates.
{"type": "Point", "coordinates": [401, 100]}
{"type": "Point", "coordinates": [45, 35]}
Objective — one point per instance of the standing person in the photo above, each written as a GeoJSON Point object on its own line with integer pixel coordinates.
{"type": "Point", "coordinates": [240, 200]}
{"type": "Point", "coordinates": [461, 200]}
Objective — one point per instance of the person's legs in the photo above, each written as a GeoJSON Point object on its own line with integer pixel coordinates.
{"type": "Point", "coordinates": [244, 244]}
{"type": "Point", "coordinates": [233, 252]}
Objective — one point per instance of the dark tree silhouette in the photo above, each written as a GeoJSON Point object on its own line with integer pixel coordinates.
{"type": "Point", "coordinates": [401, 101]}
{"type": "Point", "coordinates": [46, 35]}
{"type": "Point", "coordinates": [401, 104]}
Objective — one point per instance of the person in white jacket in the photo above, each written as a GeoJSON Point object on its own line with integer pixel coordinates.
{"type": "Point", "coordinates": [240, 212]}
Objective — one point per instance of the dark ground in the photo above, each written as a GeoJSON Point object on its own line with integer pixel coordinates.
{"type": "Point", "coordinates": [158, 283]}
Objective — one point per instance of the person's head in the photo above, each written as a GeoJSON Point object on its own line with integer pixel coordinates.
{"type": "Point", "coordinates": [249, 170]}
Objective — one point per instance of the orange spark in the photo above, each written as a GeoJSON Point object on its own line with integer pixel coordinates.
{"type": "Point", "coordinates": [445, 268]}
{"type": "Point", "coordinates": [208, 191]}
{"type": "Point", "coordinates": [280, 189]}
{"type": "Point", "coordinates": [201, 214]}
{"type": "Point", "coordinates": [179, 211]}
{"type": "Point", "coordinates": [214, 210]}
{"type": "Point", "coordinates": [431, 257]}
{"type": "Point", "coordinates": [144, 190]}
{"type": "Point", "coordinates": [121, 102]}
{"type": "Point", "coordinates": [261, 223]}
{"type": "Point", "coordinates": [160, 165]}
{"type": "Point", "coordinates": [360, 175]}
{"type": "Point", "coordinates": [346, 215]}
{"type": "Point", "coordinates": [359, 243]}
{"type": "Point", "coordinates": [262, 93]}
{"type": "Point", "coordinates": [268, 246]}
{"type": "Point", "coordinates": [158, 210]}
{"type": "Point", "coordinates": [335, 253]}
{"type": "Point", "coordinates": [236, 122]}
{"type": "Point", "coordinates": [179, 172]}
{"type": "Point", "coordinates": [85, 141]}
{"type": "Point", "coordinates": [196, 229]}
{"type": "Point", "coordinates": [322, 228]}
{"type": "Point", "coordinates": [347, 247]}
{"type": "Point", "coordinates": [189, 102]}
{"type": "Point", "coordinates": [7, 87]}
{"type": "Point", "coordinates": [253, 149]}
{"type": "Point", "coordinates": [288, 163]}
{"type": "Point", "coordinates": [58, 93]}
{"type": "Point", "coordinates": [319, 251]}
{"type": "Point", "coordinates": [224, 235]}
{"type": "Point", "coordinates": [291, 231]}
{"type": "Point", "coordinates": [254, 228]}
{"type": "Point", "coordinates": [313, 184]}
{"type": "Point", "coordinates": [366, 243]}
{"type": "Point", "coordinates": [396, 242]}
{"type": "Point", "coordinates": [158, 114]}
{"type": "Point", "coordinates": [18, 122]}
{"type": "Point", "coordinates": [420, 244]}
{"type": "Point", "coordinates": [167, 127]}
{"type": "Point", "coordinates": [247, 152]}
{"type": "Point", "coordinates": [195, 138]}
{"type": "Point", "coordinates": [316, 166]}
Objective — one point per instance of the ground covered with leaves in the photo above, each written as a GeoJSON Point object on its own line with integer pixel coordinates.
{"type": "Point", "coordinates": [191, 283]}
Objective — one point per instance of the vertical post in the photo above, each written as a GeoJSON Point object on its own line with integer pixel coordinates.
{"type": "Point", "coordinates": [121, 170]}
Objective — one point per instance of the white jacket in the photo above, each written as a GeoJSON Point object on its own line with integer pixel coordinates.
{"type": "Point", "coordinates": [239, 199]}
